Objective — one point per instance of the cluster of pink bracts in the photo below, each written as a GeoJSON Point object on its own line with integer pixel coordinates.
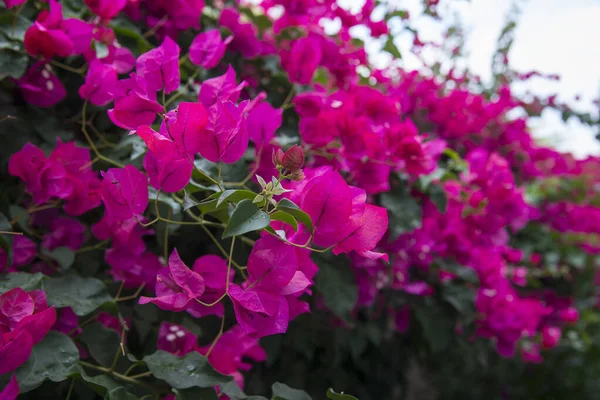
{"type": "Point", "coordinates": [367, 133]}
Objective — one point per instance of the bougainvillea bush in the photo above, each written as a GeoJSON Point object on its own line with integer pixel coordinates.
{"type": "Point", "coordinates": [201, 200]}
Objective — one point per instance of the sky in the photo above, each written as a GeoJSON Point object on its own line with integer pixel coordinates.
{"type": "Point", "coordinates": [553, 37]}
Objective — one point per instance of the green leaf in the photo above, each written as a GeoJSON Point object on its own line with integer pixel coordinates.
{"type": "Point", "coordinates": [291, 208]}
{"type": "Point", "coordinates": [64, 256]}
{"type": "Point", "coordinates": [6, 241]}
{"type": "Point", "coordinates": [403, 210]}
{"type": "Point", "coordinates": [102, 342]}
{"type": "Point", "coordinates": [23, 280]}
{"type": "Point", "coordinates": [195, 394]}
{"type": "Point", "coordinates": [12, 63]}
{"type": "Point", "coordinates": [438, 197]}
{"type": "Point", "coordinates": [192, 370]}
{"type": "Point", "coordinates": [130, 37]}
{"type": "Point", "coordinates": [398, 13]}
{"type": "Point", "coordinates": [437, 324]}
{"type": "Point", "coordinates": [165, 203]}
{"type": "Point", "coordinates": [14, 27]}
{"type": "Point", "coordinates": [106, 386]}
{"type": "Point", "coordinates": [83, 295]}
{"type": "Point", "coordinates": [234, 392]}
{"type": "Point", "coordinates": [21, 216]}
{"type": "Point", "coordinates": [55, 358]}
{"type": "Point", "coordinates": [284, 392]}
{"type": "Point", "coordinates": [460, 297]}
{"type": "Point", "coordinates": [335, 282]}
{"type": "Point", "coordinates": [234, 196]}
{"type": "Point", "coordinates": [285, 217]}
{"type": "Point", "coordinates": [339, 396]}
{"type": "Point", "coordinates": [246, 217]}
{"type": "Point", "coordinates": [391, 48]}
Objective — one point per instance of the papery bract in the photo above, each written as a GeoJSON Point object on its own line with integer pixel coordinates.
{"type": "Point", "coordinates": [106, 9]}
{"type": "Point", "coordinates": [159, 67]}
{"type": "Point", "coordinates": [303, 59]}
{"type": "Point", "coordinates": [10, 391]}
{"type": "Point", "coordinates": [221, 88]}
{"type": "Point", "coordinates": [135, 104]}
{"type": "Point", "coordinates": [225, 137]}
{"type": "Point", "coordinates": [207, 48]}
{"type": "Point", "coordinates": [125, 192]}
{"type": "Point", "coordinates": [100, 84]}
{"type": "Point", "coordinates": [176, 339]}
{"type": "Point", "coordinates": [176, 286]}
{"type": "Point", "coordinates": [15, 348]}
{"type": "Point", "coordinates": [263, 120]}
{"type": "Point", "coordinates": [40, 87]}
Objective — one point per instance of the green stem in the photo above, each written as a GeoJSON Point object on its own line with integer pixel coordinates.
{"type": "Point", "coordinates": [97, 246]}
{"type": "Point", "coordinates": [91, 143]}
{"type": "Point", "coordinates": [117, 375]}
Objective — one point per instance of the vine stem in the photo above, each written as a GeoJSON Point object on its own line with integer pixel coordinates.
{"type": "Point", "coordinates": [133, 296]}
{"type": "Point", "coordinates": [70, 389]}
{"type": "Point", "coordinates": [117, 375]}
{"type": "Point", "coordinates": [97, 246]}
{"type": "Point", "coordinates": [91, 143]}
{"type": "Point", "coordinates": [11, 233]}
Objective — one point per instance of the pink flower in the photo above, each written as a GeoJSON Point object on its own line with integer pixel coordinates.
{"type": "Point", "coordinates": [181, 135]}
{"type": "Point", "coordinates": [221, 88]}
{"type": "Point", "coordinates": [24, 321]}
{"type": "Point", "coordinates": [68, 167]}
{"type": "Point", "coordinates": [340, 216]}
{"type": "Point", "coordinates": [232, 352]}
{"type": "Point", "coordinates": [225, 137]}
{"type": "Point", "coordinates": [214, 271]}
{"type": "Point", "coordinates": [176, 286]}
{"type": "Point", "coordinates": [100, 84]}
{"type": "Point", "coordinates": [64, 232]}
{"type": "Point", "coordinates": [107, 9]}
{"type": "Point", "coordinates": [10, 391]}
{"type": "Point", "coordinates": [550, 336]}
{"type": "Point", "coordinates": [159, 67]}
{"type": "Point", "coordinates": [135, 104]}
{"type": "Point", "coordinates": [40, 87]}
{"type": "Point", "coordinates": [176, 339]}
{"type": "Point", "coordinates": [245, 35]}
{"type": "Point", "coordinates": [126, 235]}
{"type": "Point", "coordinates": [24, 252]}
{"type": "Point", "coordinates": [135, 269]}
{"type": "Point", "coordinates": [263, 307]}
{"type": "Point", "coordinates": [263, 120]}
{"type": "Point", "coordinates": [302, 60]}
{"type": "Point", "coordinates": [13, 3]}
{"type": "Point", "coordinates": [15, 349]}
{"type": "Point", "coordinates": [125, 192]}
{"type": "Point", "coordinates": [51, 35]}
{"type": "Point", "coordinates": [207, 48]}
{"type": "Point", "coordinates": [569, 315]}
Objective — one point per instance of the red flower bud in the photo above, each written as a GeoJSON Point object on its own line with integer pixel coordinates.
{"type": "Point", "coordinates": [277, 157]}
{"type": "Point", "coordinates": [293, 159]}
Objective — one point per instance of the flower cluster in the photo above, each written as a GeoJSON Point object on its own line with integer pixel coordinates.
{"type": "Point", "coordinates": [420, 184]}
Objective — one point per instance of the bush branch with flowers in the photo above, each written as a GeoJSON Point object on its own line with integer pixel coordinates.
{"type": "Point", "coordinates": [207, 200]}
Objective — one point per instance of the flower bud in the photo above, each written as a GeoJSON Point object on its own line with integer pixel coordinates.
{"type": "Point", "coordinates": [550, 336]}
{"type": "Point", "coordinates": [569, 315]}
{"type": "Point", "coordinates": [293, 159]}
{"type": "Point", "coordinates": [277, 157]}
{"type": "Point", "coordinates": [297, 175]}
